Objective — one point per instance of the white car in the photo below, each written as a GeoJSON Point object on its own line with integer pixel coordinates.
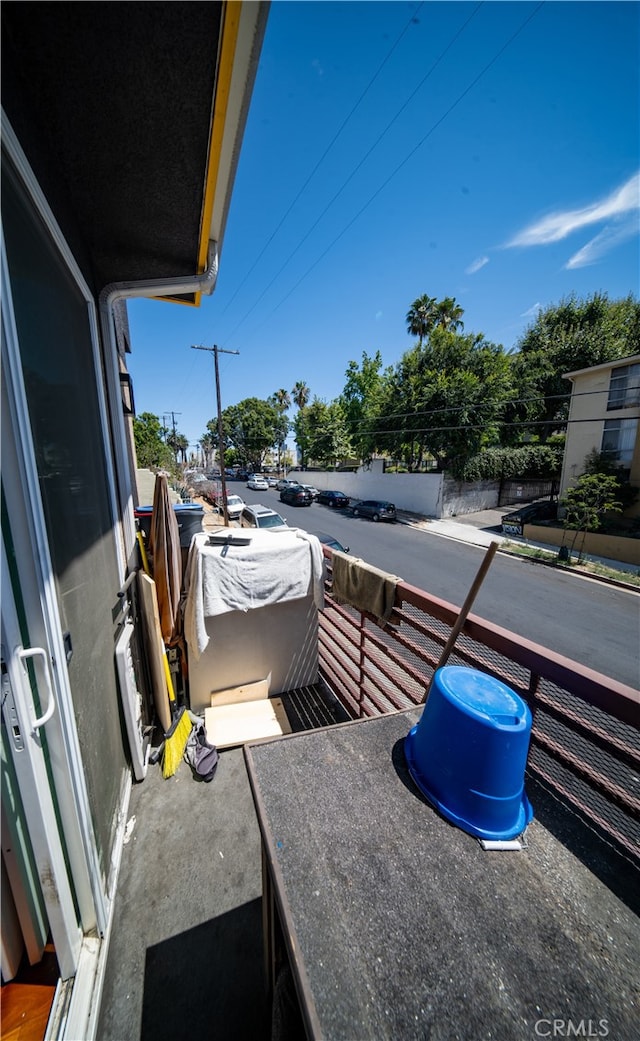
{"type": "Point", "coordinates": [234, 506]}
{"type": "Point", "coordinates": [314, 491]}
{"type": "Point", "coordinates": [284, 482]}
{"type": "Point", "coordinates": [257, 483]}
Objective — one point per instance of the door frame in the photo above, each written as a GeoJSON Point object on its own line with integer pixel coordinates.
{"type": "Point", "coordinates": [33, 586]}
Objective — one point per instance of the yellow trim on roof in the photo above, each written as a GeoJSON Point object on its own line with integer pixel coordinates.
{"type": "Point", "coordinates": [229, 39]}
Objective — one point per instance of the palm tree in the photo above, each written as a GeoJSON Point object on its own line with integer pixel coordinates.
{"type": "Point", "coordinates": [448, 315]}
{"type": "Point", "coordinates": [207, 445]}
{"type": "Point", "coordinates": [421, 317]}
{"type": "Point", "coordinates": [182, 446]}
{"type": "Point", "coordinates": [282, 399]}
{"type": "Point", "coordinates": [300, 394]}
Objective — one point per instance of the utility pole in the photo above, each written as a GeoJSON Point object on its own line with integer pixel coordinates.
{"type": "Point", "coordinates": [173, 423]}
{"type": "Point", "coordinates": [223, 480]}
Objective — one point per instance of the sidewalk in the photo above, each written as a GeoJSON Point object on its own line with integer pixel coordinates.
{"type": "Point", "coordinates": [476, 529]}
{"type": "Point", "coordinates": [485, 527]}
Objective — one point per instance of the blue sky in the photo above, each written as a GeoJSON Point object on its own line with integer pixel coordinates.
{"type": "Point", "coordinates": [486, 151]}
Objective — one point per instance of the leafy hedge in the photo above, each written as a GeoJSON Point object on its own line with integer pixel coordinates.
{"type": "Point", "coordinates": [494, 464]}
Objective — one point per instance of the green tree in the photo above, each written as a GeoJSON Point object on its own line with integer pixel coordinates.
{"type": "Point", "coordinates": [588, 501]}
{"type": "Point", "coordinates": [426, 314]}
{"type": "Point", "coordinates": [208, 445]}
{"type": "Point", "coordinates": [300, 394]}
{"type": "Point", "coordinates": [445, 400]}
{"type": "Point", "coordinates": [325, 435]}
{"type": "Point", "coordinates": [448, 315]}
{"type": "Point", "coordinates": [151, 450]}
{"type": "Point", "coordinates": [574, 334]}
{"type": "Point", "coordinates": [421, 317]}
{"type": "Point", "coordinates": [282, 401]}
{"type": "Point", "coordinates": [597, 463]}
{"type": "Point", "coordinates": [182, 446]}
{"type": "Point", "coordinates": [361, 400]}
{"type": "Point", "coordinates": [252, 427]}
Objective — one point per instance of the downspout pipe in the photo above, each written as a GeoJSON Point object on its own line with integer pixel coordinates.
{"type": "Point", "coordinates": [109, 296]}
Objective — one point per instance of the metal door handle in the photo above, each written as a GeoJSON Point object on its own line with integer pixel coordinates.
{"type": "Point", "coordinates": [33, 652]}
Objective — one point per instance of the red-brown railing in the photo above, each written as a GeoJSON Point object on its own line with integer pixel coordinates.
{"type": "Point", "coordinates": [585, 742]}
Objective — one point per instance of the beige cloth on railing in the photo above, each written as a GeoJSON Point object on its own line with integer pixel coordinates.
{"type": "Point", "coordinates": [363, 586]}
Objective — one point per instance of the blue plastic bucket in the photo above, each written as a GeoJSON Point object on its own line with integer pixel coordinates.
{"type": "Point", "coordinates": [468, 753]}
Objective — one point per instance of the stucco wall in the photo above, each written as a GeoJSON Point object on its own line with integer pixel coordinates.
{"type": "Point", "coordinates": [587, 414]}
{"type": "Point", "coordinates": [610, 546]}
{"type": "Point", "coordinates": [469, 497]}
{"type": "Point", "coordinates": [417, 493]}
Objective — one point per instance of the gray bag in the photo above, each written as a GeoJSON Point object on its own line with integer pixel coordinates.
{"type": "Point", "coordinates": [201, 756]}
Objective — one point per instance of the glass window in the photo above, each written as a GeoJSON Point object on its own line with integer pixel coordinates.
{"type": "Point", "coordinates": [619, 439]}
{"type": "Point", "coordinates": [624, 389]}
{"type": "Point", "coordinates": [54, 331]}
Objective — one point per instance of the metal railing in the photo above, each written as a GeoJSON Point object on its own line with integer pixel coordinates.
{"type": "Point", "coordinates": [585, 743]}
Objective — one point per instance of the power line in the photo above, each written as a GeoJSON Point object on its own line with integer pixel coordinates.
{"type": "Point", "coordinates": [494, 404]}
{"type": "Point", "coordinates": [409, 156]}
{"type": "Point", "coordinates": [318, 165]}
{"type": "Point", "coordinates": [362, 160]}
{"type": "Point", "coordinates": [483, 426]}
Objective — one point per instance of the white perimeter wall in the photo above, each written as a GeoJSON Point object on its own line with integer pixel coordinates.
{"type": "Point", "coordinates": [417, 493]}
{"type": "Point", "coordinates": [431, 495]}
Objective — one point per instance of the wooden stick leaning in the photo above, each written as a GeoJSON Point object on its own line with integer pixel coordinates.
{"type": "Point", "coordinates": [464, 611]}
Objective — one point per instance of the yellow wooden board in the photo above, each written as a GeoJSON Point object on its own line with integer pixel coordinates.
{"type": "Point", "coordinates": [228, 725]}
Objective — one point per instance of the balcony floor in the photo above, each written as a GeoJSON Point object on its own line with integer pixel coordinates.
{"type": "Point", "coordinates": [186, 953]}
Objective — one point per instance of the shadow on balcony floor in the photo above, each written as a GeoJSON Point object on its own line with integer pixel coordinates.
{"type": "Point", "coordinates": [186, 952]}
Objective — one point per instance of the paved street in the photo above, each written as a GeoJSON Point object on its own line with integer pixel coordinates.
{"type": "Point", "coordinates": [588, 621]}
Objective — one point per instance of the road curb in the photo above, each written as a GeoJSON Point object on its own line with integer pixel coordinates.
{"type": "Point", "coordinates": [574, 570]}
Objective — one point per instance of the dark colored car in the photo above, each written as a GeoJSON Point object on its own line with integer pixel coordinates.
{"type": "Point", "coordinates": [328, 540]}
{"type": "Point", "coordinates": [377, 509]}
{"type": "Point", "coordinates": [296, 495]}
{"type": "Point", "coordinates": [336, 499]}
{"type": "Point", "coordinates": [513, 523]}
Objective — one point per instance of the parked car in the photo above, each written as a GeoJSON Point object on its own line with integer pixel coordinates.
{"type": "Point", "coordinates": [336, 499]}
{"type": "Point", "coordinates": [314, 491]}
{"type": "Point", "coordinates": [284, 482]}
{"type": "Point", "coordinates": [257, 483]}
{"type": "Point", "coordinates": [234, 506]}
{"type": "Point", "coordinates": [377, 509]}
{"type": "Point", "coordinates": [513, 523]}
{"type": "Point", "coordinates": [296, 495]}
{"type": "Point", "coordinates": [328, 540]}
{"type": "Point", "coordinates": [272, 482]}
{"type": "Point", "coordinates": [257, 516]}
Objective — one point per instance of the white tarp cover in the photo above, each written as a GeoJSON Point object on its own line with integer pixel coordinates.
{"type": "Point", "coordinates": [274, 567]}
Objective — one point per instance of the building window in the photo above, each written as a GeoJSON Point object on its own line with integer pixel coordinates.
{"type": "Point", "coordinates": [624, 389]}
{"type": "Point", "coordinates": [618, 441]}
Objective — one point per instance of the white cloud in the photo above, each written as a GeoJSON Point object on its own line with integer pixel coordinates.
{"type": "Point", "coordinates": [557, 226]}
{"type": "Point", "coordinates": [532, 312]}
{"type": "Point", "coordinates": [478, 263]}
{"type": "Point", "coordinates": [602, 243]}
